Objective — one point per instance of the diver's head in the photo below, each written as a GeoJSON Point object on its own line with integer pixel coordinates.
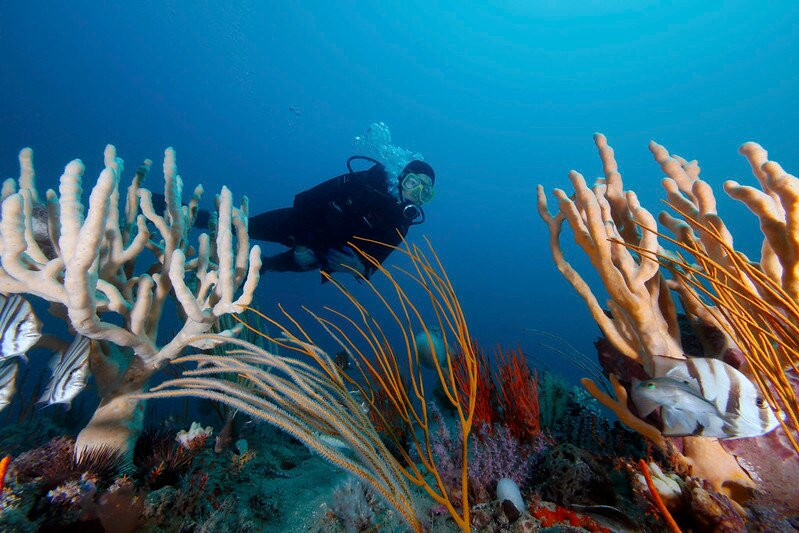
{"type": "Point", "coordinates": [416, 182]}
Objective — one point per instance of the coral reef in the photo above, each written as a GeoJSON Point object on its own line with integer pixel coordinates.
{"type": "Point", "coordinates": [493, 455]}
{"type": "Point", "coordinates": [233, 492]}
{"type": "Point", "coordinates": [571, 475]}
{"type": "Point", "coordinates": [310, 397]}
{"type": "Point", "coordinates": [87, 269]}
{"type": "Point", "coordinates": [354, 507]}
{"type": "Point", "coordinates": [518, 395]}
{"type": "Point", "coordinates": [550, 515]}
{"type": "Point", "coordinates": [643, 322]}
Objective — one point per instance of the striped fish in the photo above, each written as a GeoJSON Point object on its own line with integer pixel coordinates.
{"type": "Point", "coordinates": [70, 373]}
{"type": "Point", "coordinates": [8, 381]}
{"type": "Point", "coordinates": [19, 327]}
{"type": "Point", "coordinates": [702, 396]}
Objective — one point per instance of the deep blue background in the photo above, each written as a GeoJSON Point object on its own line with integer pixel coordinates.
{"type": "Point", "coordinates": [498, 98]}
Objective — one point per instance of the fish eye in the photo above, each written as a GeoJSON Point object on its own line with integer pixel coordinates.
{"type": "Point", "coordinates": [761, 403]}
{"type": "Point", "coordinates": [650, 385]}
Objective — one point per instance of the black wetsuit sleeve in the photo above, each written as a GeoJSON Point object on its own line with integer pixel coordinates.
{"type": "Point", "coordinates": [277, 225]}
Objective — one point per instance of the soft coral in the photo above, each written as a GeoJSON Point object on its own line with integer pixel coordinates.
{"type": "Point", "coordinates": [560, 515]}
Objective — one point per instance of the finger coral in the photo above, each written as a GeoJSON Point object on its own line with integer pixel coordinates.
{"type": "Point", "coordinates": [751, 305]}
{"type": "Point", "coordinates": [91, 262]}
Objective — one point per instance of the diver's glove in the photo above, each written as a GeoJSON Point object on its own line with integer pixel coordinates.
{"type": "Point", "coordinates": [305, 258]}
{"type": "Point", "coordinates": [345, 260]}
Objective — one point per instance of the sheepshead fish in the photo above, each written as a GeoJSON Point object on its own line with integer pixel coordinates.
{"type": "Point", "coordinates": [8, 381]}
{"type": "Point", "coordinates": [70, 372]}
{"type": "Point", "coordinates": [41, 230]}
{"type": "Point", "coordinates": [19, 327]}
{"type": "Point", "coordinates": [702, 396]}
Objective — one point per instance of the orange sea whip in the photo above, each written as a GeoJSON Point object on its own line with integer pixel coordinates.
{"type": "Point", "coordinates": [656, 496]}
{"type": "Point", "coordinates": [3, 469]}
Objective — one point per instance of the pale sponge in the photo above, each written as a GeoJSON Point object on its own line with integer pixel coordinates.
{"type": "Point", "coordinates": [507, 489]}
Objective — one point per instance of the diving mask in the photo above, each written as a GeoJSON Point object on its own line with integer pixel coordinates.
{"type": "Point", "coordinates": [418, 188]}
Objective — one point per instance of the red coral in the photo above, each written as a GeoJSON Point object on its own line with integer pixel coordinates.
{"type": "Point", "coordinates": [3, 468]}
{"type": "Point", "coordinates": [561, 515]}
{"type": "Point", "coordinates": [486, 409]}
{"type": "Point", "coordinates": [509, 398]}
{"type": "Point", "coordinates": [518, 395]}
{"type": "Point", "coordinates": [387, 419]}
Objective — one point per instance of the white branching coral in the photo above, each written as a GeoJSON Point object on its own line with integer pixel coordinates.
{"type": "Point", "coordinates": [86, 261]}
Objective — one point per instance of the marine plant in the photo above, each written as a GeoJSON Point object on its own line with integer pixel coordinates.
{"type": "Point", "coordinates": [308, 395]}
{"type": "Point", "coordinates": [507, 397]}
{"type": "Point", "coordinates": [85, 262]}
{"type": "Point", "coordinates": [621, 240]}
{"type": "Point", "coordinates": [653, 491]}
{"type": "Point", "coordinates": [518, 395]}
{"type": "Point", "coordinates": [486, 405]}
{"type": "Point", "coordinates": [494, 454]}
{"type": "Point", "coordinates": [554, 394]}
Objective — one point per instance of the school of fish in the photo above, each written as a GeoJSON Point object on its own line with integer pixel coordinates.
{"type": "Point", "coordinates": [20, 330]}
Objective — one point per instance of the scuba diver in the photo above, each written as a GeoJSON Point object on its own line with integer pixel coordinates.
{"type": "Point", "coordinates": [323, 219]}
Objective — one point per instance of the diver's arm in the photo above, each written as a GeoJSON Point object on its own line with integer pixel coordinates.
{"type": "Point", "coordinates": [379, 253]}
{"type": "Point", "coordinates": [282, 262]}
{"type": "Point", "coordinates": [282, 226]}
{"type": "Point", "coordinates": [387, 241]}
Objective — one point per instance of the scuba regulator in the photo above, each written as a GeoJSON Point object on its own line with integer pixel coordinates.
{"type": "Point", "coordinates": [413, 213]}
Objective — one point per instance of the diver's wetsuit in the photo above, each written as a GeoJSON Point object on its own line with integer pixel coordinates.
{"type": "Point", "coordinates": [327, 216]}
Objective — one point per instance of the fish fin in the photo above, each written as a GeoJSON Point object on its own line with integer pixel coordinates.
{"type": "Point", "coordinates": [53, 363]}
{"type": "Point", "coordinates": [680, 373]}
{"type": "Point", "coordinates": [677, 423]}
{"type": "Point", "coordinates": [663, 365]}
{"type": "Point", "coordinates": [44, 398]}
{"type": "Point", "coordinates": [24, 357]}
{"type": "Point", "coordinates": [644, 405]}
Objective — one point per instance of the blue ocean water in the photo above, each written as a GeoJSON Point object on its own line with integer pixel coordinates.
{"type": "Point", "coordinates": [268, 97]}
{"type": "Point", "coordinates": [498, 98]}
